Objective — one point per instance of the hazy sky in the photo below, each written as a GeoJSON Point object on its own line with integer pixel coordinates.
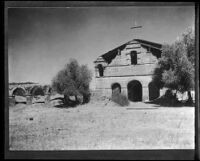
{"type": "Point", "coordinates": [42, 40]}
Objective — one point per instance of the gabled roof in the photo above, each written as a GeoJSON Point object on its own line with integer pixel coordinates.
{"type": "Point", "coordinates": [112, 53]}
{"type": "Point", "coordinates": [149, 43]}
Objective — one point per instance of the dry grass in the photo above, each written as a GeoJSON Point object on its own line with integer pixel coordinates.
{"type": "Point", "coordinates": [96, 126]}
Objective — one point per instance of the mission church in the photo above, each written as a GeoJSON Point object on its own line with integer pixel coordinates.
{"type": "Point", "coordinates": [128, 69]}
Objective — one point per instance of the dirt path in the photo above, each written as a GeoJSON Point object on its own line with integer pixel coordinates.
{"type": "Point", "coordinates": [91, 126]}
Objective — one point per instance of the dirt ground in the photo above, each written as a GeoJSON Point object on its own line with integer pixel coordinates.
{"type": "Point", "coordinates": [100, 126]}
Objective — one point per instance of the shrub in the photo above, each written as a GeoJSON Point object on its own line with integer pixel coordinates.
{"type": "Point", "coordinates": [86, 96]}
{"type": "Point", "coordinates": [73, 80]}
{"type": "Point", "coordinates": [120, 99]}
{"type": "Point", "coordinates": [168, 99]}
{"type": "Point", "coordinates": [169, 95]}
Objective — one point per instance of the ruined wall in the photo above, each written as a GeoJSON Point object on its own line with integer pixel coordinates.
{"type": "Point", "coordinates": [26, 87]}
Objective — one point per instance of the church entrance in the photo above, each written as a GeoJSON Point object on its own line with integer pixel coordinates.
{"type": "Point", "coordinates": [134, 91]}
{"type": "Point", "coordinates": [154, 92]}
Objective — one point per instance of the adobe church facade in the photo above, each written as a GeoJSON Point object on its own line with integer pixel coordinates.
{"type": "Point", "coordinates": [128, 69]}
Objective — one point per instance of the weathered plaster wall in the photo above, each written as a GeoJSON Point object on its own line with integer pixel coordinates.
{"type": "Point", "coordinates": [131, 70]}
{"type": "Point", "coordinates": [103, 85]}
{"type": "Point", "coordinates": [121, 70]}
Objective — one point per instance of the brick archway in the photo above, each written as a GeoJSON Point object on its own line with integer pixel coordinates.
{"type": "Point", "coordinates": [37, 90]}
{"type": "Point", "coordinates": [19, 92]}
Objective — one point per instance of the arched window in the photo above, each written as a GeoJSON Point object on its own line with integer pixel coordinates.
{"type": "Point", "coordinates": [116, 88]}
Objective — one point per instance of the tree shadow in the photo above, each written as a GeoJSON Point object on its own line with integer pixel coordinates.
{"type": "Point", "coordinates": [57, 98]}
{"type": "Point", "coordinates": [166, 102]}
{"type": "Point", "coordinates": [70, 104]}
{"type": "Point", "coordinates": [64, 106]}
{"type": "Point", "coordinates": [20, 102]}
{"type": "Point", "coordinates": [39, 102]}
{"type": "Point", "coordinates": [155, 107]}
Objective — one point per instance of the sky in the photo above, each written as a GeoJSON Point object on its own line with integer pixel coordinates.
{"type": "Point", "coordinates": [42, 40]}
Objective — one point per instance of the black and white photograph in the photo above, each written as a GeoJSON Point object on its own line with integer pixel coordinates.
{"type": "Point", "coordinates": [101, 77]}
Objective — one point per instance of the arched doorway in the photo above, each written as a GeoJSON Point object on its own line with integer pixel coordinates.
{"type": "Point", "coordinates": [100, 69]}
{"type": "Point", "coordinates": [134, 91]}
{"type": "Point", "coordinates": [19, 92]}
{"type": "Point", "coordinates": [154, 92]}
{"type": "Point", "coordinates": [116, 88]}
{"type": "Point", "coordinates": [36, 90]}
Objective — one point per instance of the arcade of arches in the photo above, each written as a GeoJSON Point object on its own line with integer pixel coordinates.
{"type": "Point", "coordinates": [34, 91]}
{"type": "Point", "coordinates": [135, 90]}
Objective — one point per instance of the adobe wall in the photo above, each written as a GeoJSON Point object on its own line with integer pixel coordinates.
{"type": "Point", "coordinates": [130, 70]}
{"type": "Point", "coordinates": [104, 84]}
{"type": "Point", "coordinates": [122, 69]}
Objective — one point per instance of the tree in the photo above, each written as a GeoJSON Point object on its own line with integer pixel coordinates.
{"type": "Point", "coordinates": [73, 80]}
{"type": "Point", "coordinates": [175, 69]}
{"type": "Point", "coordinates": [189, 42]}
{"type": "Point", "coordinates": [188, 39]}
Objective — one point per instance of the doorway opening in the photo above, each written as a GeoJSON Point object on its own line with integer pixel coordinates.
{"type": "Point", "coordinates": [134, 91]}
{"type": "Point", "coordinates": [154, 92]}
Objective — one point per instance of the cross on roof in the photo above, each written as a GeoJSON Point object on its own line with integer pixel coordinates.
{"type": "Point", "coordinates": [136, 26]}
